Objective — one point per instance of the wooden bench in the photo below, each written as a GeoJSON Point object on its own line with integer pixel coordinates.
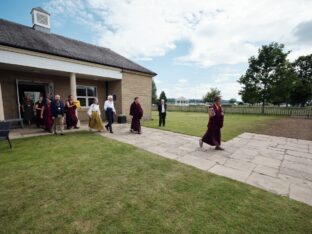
{"type": "Point", "coordinates": [14, 121]}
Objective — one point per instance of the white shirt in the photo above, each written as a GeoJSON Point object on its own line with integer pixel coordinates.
{"type": "Point", "coordinates": [109, 104]}
{"type": "Point", "coordinates": [162, 108]}
{"type": "Point", "coordinates": [94, 108]}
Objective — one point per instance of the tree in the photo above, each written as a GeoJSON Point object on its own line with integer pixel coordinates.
{"type": "Point", "coordinates": [302, 91]}
{"type": "Point", "coordinates": [263, 73]}
{"type": "Point", "coordinates": [154, 93]}
{"type": "Point", "coordinates": [163, 96]}
{"type": "Point", "coordinates": [232, 100]}
{"type": "Point", "coordinates": [211, 95]}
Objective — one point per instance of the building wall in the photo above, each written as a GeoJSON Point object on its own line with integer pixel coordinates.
{"type": "Point", "coordinates": [137, 85]}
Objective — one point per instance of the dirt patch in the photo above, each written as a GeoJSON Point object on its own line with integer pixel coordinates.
{"type": "Point", "coordinates": [290, 127]}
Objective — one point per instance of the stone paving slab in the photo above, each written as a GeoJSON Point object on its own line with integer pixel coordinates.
{"type": "Point", "coordinates": [276, 164]}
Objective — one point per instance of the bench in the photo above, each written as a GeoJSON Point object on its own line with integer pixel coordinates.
{"type": "Point", "coordinates": [15, 121]}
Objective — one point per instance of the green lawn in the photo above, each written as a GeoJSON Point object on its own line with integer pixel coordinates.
{"type": "Point", "coordinates": [83, 182]}
{"type": "Point", "coordinates": [195, 123]}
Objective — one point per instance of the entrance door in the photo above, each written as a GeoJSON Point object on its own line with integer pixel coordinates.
{"type": "Point", "coordinates": [32, 90]}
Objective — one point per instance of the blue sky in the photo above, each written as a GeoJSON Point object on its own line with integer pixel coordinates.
{"type": "Point", "coordinates": [192, 45]}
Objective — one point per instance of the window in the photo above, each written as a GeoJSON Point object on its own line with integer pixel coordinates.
{"type": "Point", "coordinates": [86, 95]}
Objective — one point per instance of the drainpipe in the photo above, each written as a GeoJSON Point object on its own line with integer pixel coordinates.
{"type": "Point", "coordinates": [1, 105]}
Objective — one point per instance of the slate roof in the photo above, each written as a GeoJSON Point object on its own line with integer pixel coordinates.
{"type": "Point", "coordinates": [24, 37]}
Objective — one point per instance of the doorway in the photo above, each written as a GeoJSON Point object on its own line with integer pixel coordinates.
{"type": "Point", "coordinates": [33, 90]}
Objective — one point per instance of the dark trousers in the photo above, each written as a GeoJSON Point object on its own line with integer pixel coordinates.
{"type": "Point", "coordinates": [162, 119]}
{"type": "Point", "coordinates": [110, 118]}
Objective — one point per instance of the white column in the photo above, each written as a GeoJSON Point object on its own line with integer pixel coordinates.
{"type": "Point", "coordinates": [73, 86]}
{"type": "Point", "coordinates": [1, 105]}
{"type": "Point", "coordinates": [73, 90]}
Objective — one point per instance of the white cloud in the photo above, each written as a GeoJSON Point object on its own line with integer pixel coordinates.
{"type": "Point", "coordinates": [220, 32]}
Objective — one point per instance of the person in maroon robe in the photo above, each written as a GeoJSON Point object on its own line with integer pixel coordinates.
{"type": "Point", "coordinates": [71, 117]}
{"type": "Point", "coordinates": [38, 109]}
{"type": "Point", "coordinates": [213, 133]}
{"type": "Point", "coordinates": [46, 115]}
{"type": "Point", "coordinates": [137, 112]}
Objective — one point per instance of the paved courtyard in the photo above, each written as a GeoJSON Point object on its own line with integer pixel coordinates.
{"type": "Point", "coordinates": [276, 164]}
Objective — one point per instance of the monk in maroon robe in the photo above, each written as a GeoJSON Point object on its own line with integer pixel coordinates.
{"type": "Point", "coordinates": [137, 112]}
{"type": "Point", "coordinates": [213, 133]}
{"type": "Point", "coordinates": [46, 115]}
{"type": "Point", "coordinates": [71, 117]}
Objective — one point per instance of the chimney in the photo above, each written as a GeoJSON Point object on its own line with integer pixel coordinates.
{"type": "Point", "coordinates": [40, 20]}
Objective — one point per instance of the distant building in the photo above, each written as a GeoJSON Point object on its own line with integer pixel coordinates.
{"type": "Point", "coordinates": [182, 101]}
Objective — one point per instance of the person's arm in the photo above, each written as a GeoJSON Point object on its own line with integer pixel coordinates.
{"type": "Point", "coordinates": [211, 112]}
{"type": "Point", "coordinates": [89, 112]}
{"type": "Point", "coordinates": [42, 110]}
{"type": "Point", "coordinates": [114, 108]}
{"type": "Point", "coordinates": [105, 105]}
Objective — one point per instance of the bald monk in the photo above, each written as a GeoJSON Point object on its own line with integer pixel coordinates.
{"type": "Point", "coordinates": [213, 133]}
{"type": "Point", "coordinates": [136, 112]}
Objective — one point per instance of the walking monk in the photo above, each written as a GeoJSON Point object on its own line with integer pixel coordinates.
{"type": "Point", "coordinates": [213, 133]}
{"type": "Point", "coordinates": [137, 112]}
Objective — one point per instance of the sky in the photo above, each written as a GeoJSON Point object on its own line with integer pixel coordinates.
{"type": "Point", "coordinates": [193, 45]}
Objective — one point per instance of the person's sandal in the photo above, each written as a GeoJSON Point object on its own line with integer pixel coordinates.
{"type": "Point", "coordinates": [219, 148]}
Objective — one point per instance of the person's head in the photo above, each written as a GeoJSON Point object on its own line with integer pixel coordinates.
{"type": "Point", "coordinates": [218, 101]}
{"type": "Point", "coordinates": [162, 101]}
{"type": "Point", "coordinates": [57, 97]}
{"type": "Point", "coordinates": [40, 98]}
{"type": "Point", "coordinates": [27, 98]}
{"type": "Point", "coordinates": [96, 101]}
{"type": "Point", "coordinates": [136, 100]}
{"type": "Point", "coordinates": [70, 97]}
{"type": "Point", "coordinates": [110, 98]}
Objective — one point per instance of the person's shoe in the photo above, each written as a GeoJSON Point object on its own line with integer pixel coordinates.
{"type": "Point", "coordinates": [55, 133]}
{"type": "Point", "coordinates": [200, 143]}
{"type": "Point", "coordinates": [62, 134]}
{"type": "Point", "coordinates": [131, 130]}
{"type": "Point", "coordinates": [111, 132]}
{"type": "Point", "coordinates": [218, 148]}
{"type": "Point", "coordinates": [106, 127]}
{"type": "Point", "coordinates": [76, 127]}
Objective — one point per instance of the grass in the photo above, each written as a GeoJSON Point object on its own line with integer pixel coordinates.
{"type": "Point", "coordinates": [84, 183]}
{"type": "Point", "coordinates": [195, 124]}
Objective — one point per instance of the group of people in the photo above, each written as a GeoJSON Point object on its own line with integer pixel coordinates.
{"type": "Point", "coordinates": [49, 113]}
{"type": "Point", "coordinates": [95, 120]}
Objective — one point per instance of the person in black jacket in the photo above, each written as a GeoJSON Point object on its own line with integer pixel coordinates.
{"type": "Point", "coordinates": [162, 110]}
{"type": "Point", "coordinates": [58, 110]}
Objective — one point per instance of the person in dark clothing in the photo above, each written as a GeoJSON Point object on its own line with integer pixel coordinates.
{"type": "Point", "coordinates": [57, 109]}
{"type": "Point", "coordinates": [28, 110]}
{"type": "Point", "coordinates": [38, 109]}
{"type": "Point", "coordinates": [136, 112]}
{"type": "Point", "coordinates": [71, 117]}
{"type": "Point", "coordinates": [213, 133]}
{"type": "Point", "coordinates": [162, 110]}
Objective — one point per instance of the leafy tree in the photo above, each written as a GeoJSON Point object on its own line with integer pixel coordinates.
{"type": "Point", "coordinates": [232, 100]}
{"type": "Point", "coordinates": [154, 93]}
{"type": "Point", "coordinates": [211, 95]}
{"type": "Point", "coordinates": [162, 96]}
{"type": "Point", "coordinates": [302, 91]}
{"type": "Point", "coordinates": [263, 73]}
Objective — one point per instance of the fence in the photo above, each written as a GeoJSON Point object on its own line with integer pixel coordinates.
{"type": "Point", "coordinates": [303, 112]}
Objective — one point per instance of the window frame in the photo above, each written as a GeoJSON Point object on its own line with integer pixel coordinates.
{"type": "Point", "coordinates": [87, 97]}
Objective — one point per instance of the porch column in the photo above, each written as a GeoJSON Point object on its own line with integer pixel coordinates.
{"type": "Point", "coordinates": [73, 86]}
{"type": "Point", "coordinates": [73, 91]}
{"type": "Point", "coordinates": [1, 105]}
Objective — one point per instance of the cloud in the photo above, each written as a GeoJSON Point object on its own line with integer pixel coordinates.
{"type": "Point", "coordinates": [220, 32]}
{"type": "Point", "coordinates": [303, 32]}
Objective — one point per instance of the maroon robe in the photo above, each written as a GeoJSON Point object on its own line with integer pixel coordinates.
{"type": "Point", "coordinates": [47, 117]}
{"type": "Point", "coordinates": [213, 133]}
{"type": "Point", "coordinates": [71, 118]}
{"type": "Point", "coordinates": [137, 112]}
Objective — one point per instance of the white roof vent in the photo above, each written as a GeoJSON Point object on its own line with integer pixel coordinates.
{"type": "Point", "coordinates": [40, 19]}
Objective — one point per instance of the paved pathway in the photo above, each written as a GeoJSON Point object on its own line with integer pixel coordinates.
{"type": "Point", "coordinates": [276, 164]}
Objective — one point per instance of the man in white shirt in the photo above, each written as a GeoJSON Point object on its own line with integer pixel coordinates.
{"type": "Point", "coordinates": [109, 111]}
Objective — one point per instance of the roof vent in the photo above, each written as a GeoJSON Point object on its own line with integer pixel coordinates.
{"type": "Point", "coordinates": [40, 19]}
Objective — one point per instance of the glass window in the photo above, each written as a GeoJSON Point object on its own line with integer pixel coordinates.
{"type": "Point", "coordinates": [86, 95]}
